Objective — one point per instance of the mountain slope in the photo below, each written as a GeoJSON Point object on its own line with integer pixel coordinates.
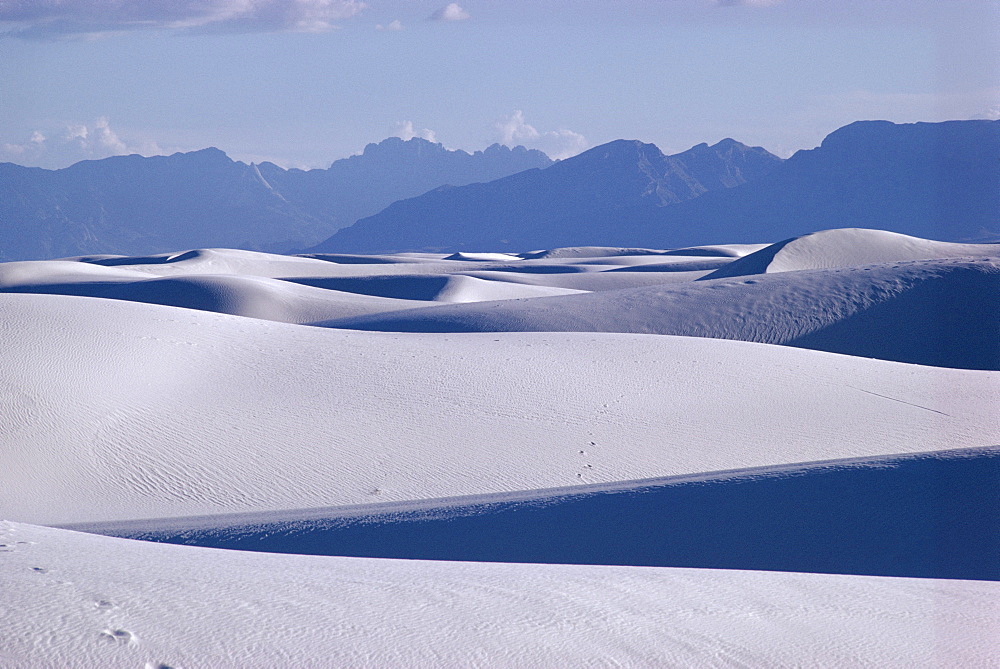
{"type": "Point", "coordinates": [576, 201]}
{"type": "Point", "coordinates": [391, 170]}
{"type": "Point", "coordinates": [134, 205]}
{"type": "Point", "coordinates": [932, 180]}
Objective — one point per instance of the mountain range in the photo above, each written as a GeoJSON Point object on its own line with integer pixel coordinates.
{"type": "Point", "coordinates": [581, 200]}
{"type": "Point", "coordinates": [934, 180]}
{"type": "Point", "coordinates": [138, 205]}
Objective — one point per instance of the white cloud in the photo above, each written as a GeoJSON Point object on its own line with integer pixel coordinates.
{"type": "Point", "coordinates": [393, 25]}
{"type": "Point", "coordinates": [72, 143]}
{"type": "Point", "coordinates": [54, 18]}
{"type": "Point", "coordinates": [404, 130]}
{"type": "Point", "coordinates": [514, 128]}
{"type": "Point", "coordinates": [107, 140]}
{"type": "Point", "coordinates": [75, 132]}
{"type": "Point", "coordinates": [558, 144]}
{"type": "Point", "coordinates": [991, 114]}
{"type": "Point", "coordinates": [450, 12]}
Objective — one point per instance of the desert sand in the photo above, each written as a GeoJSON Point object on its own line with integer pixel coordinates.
{"type": "Point", "coordinates": [648, 400]}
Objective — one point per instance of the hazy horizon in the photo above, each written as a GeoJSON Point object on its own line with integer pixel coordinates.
{"type": "Point", "coordinates": [302, 83]}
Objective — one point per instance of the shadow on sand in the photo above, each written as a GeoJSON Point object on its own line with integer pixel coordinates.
{"type": "Point", "coordinates": [927, 515]}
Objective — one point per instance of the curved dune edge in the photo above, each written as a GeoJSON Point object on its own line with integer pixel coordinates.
{"type": "Point", "coordinates": [847, 247]}
{"type": "Point", "coordinates": [119, 410]}
{"type": "Point", "coordinates": [115, 602]}
{"type": "Point", "coordinates": [448, 507]}
{"type": "Point", "coordinates": [928, 515]}
{"type": "Point", "coordinates": [940, 312]}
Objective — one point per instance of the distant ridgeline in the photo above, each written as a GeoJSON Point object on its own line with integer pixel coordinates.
{"type": "Point", "coordinates": [932, 180]}
{"type": "Point", "coordinates": [134, 205]}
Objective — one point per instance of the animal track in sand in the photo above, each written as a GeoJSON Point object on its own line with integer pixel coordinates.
{"type": "Point", "coordinates": [104, 605]}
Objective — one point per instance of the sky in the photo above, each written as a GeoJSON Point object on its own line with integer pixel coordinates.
{"type": "Point", "coordinates": [305, 82]}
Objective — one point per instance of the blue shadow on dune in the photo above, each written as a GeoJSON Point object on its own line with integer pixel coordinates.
{"type": "Point", "coordinates": [927, 515]}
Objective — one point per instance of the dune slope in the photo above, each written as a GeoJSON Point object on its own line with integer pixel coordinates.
{"type": "Point", "coordinates": [848, 247]}
{"type": "Point", "coordinates": [933, 312]}
{"type": "Point", "coordinates": [928, 515]}
{"type": "Point", "coordinates": [78, 600]}
{"type": "Point", "coordinates": [118, 410]}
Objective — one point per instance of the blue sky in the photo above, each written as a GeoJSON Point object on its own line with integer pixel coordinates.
{"type": "Point", "coordinates": [305, 82]}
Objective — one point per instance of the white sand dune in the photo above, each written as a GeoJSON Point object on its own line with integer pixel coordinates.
{"type": "Point", "coordinates": [78, 600]}
{"type": "Point", "coordinates": [214, 261]}
{"type": "Point", "coordinates": [848, 247]}
{"type": "Point", "coordinates": [253, 263]}
{"type": "Point", "coordinates": [586, 252]}
{"type": "Point", "coordinates": [935, 312]}
{"type": "Point", "coordinates": [672, 264]}
{"type": "Point", "coordinates": [292, 301]}
{"type": "Point", "coordinates": [385, 259]}
{"type": "Point", "coordinates": [614, 278]}
{"type": "Point", "coordinates": [249, 296]}
{"type": "Point", "coordinates": [130, 410]}
{"type": "Point", "coordinates": [122, 410]}
{"type": "Point", "coordinates": [483, 256]}
{"type": "Point", "coordinates": [56, 272]}
{"type": "Point", "coordinates": [437, 287]}
{"type": "Point", "coordinates": [929, 515]}
{"type": "Point", "coordinates": [239, 283]}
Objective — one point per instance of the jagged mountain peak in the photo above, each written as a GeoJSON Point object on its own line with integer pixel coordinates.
{"type": "Point", "coordinates": [568, 200]}
{"type": "Point", "coordinates": [395, 145]}
{"type": "Point", "coordinates": [932, 180]}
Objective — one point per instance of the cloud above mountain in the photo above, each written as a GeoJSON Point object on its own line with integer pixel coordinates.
{"type": "Point", "coordinates": [55, 18]}
{"type": "Point", "coordinates": [558, 144]}
{"type": "Point", "coordinates": [73, 142]}
{"type": "Point", "coordinates": [405, 131]}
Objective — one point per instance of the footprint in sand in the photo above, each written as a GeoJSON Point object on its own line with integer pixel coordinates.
{"type": "Point", "coordinates": [119, 636]}
{"type": "Point", "coordinates": [40, 570]}
{"type": "Point", "coordinates": [103, 605]}
{"type": "Point", "coordinates": [12, 546]}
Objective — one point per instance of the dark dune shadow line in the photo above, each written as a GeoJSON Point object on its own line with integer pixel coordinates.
{"type": "Point", "coordinates": [929, 515]}
{"type": "Point", "coordinates": [147, 260]}
{"type": "Point", "coordinates": [404, 287]}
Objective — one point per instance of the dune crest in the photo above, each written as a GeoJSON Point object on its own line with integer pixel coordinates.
{"type": "Point", "coordinates": [848, 247]}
